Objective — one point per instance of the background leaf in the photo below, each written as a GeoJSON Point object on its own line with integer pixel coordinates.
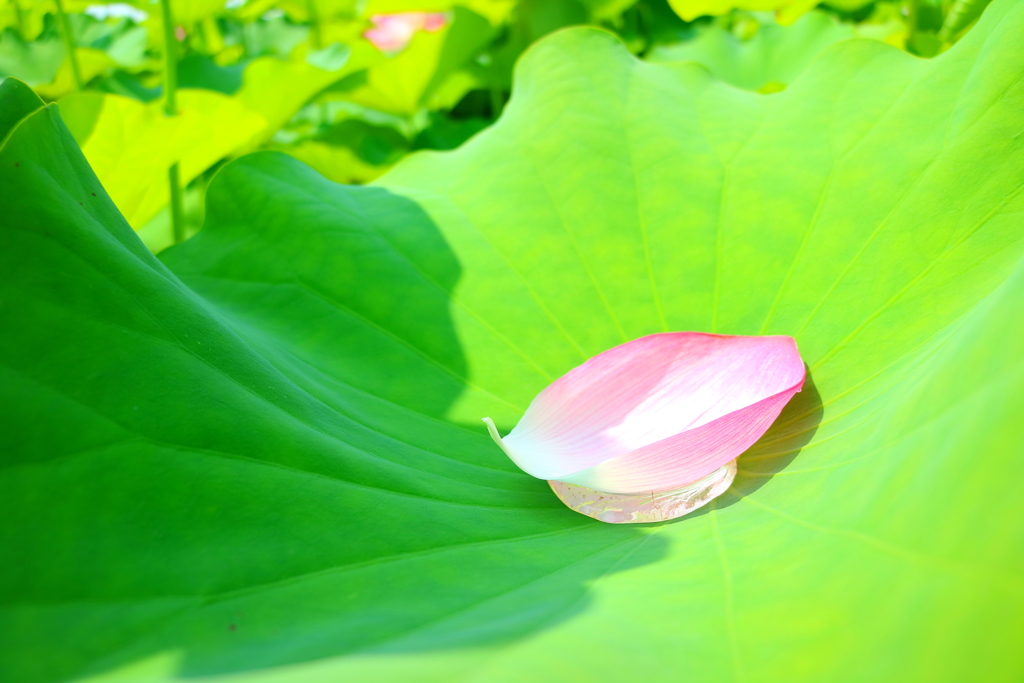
{"type": "Point", "coordinates": [33, 62]}
{"type": "Point", "coordinates": [276, 89]}
{"type": "Point", "coordinates": [773, 58]}
{"type": "Point", "coordinates": [402, 84]}
{"type": "Point", "coordinates": [787, 11]}
{"type": "Point", "coordinates": [130, 145]}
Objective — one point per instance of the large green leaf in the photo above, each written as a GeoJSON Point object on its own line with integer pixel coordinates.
{"type": "Point", "coordinates": [19, 101]}
{"type": "Point", "coordinates": [263, 449]}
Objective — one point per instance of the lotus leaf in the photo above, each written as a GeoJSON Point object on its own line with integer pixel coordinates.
{"type": "Point", "coordinates": [259, 456]}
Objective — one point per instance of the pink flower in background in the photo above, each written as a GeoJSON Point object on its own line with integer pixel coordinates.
{"type": "Point", "coordinates": [657, 414]}
{"type": "Point", "coordinates": [392, 32]}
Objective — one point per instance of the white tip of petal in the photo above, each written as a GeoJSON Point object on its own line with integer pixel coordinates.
{"type": "Point", "coordinates": [657, 413]}
{"type": "Point", "coordinates": [493, 431]}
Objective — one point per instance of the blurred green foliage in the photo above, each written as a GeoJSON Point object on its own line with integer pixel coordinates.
{"type": "Point", "coordinates": [301, 76]}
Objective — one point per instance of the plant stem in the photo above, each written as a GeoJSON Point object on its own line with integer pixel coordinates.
{"type": "Point", "coordinates": [177, 206]}
{"type": "Point", "coordinates": [314, 25]}
{"type": "Point", "coordinates": [912, 12]}
{"type": "Point", "coordinates": [69, 45]}
{"type": "Point", "coordinates": [171, 109]}
{"type": "Point", "coordinates": [19, 17]}
{"type": "Point", "coordinates": [199, 36]}
{"type": "Point", "coordinates": [170, 61]}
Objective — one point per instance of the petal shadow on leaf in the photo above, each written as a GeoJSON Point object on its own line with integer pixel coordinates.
{"type": "Point", "coordinates": [774, 452]}
{"type": "Point", "coordinates": [781, 444]}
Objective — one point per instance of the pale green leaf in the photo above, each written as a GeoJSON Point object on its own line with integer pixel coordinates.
{"type": "Point", "coordinates": [276, 89]}
{"type": "Point", "coordinates": [786, 11]}
{"type": "Point", "coordinates": [130, 145]}
{"type": "Point", "coordinates": [402, 84]}
{"type": "Point", "coordinates": [775, 55]}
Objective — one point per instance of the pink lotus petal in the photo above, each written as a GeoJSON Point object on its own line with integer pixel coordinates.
{"type": "Point", "coordinates": [433, 21]}
{"type": "Point", "coordinates": [656, 413]}
{"type": "Point", "coordinates": [392, 32]}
